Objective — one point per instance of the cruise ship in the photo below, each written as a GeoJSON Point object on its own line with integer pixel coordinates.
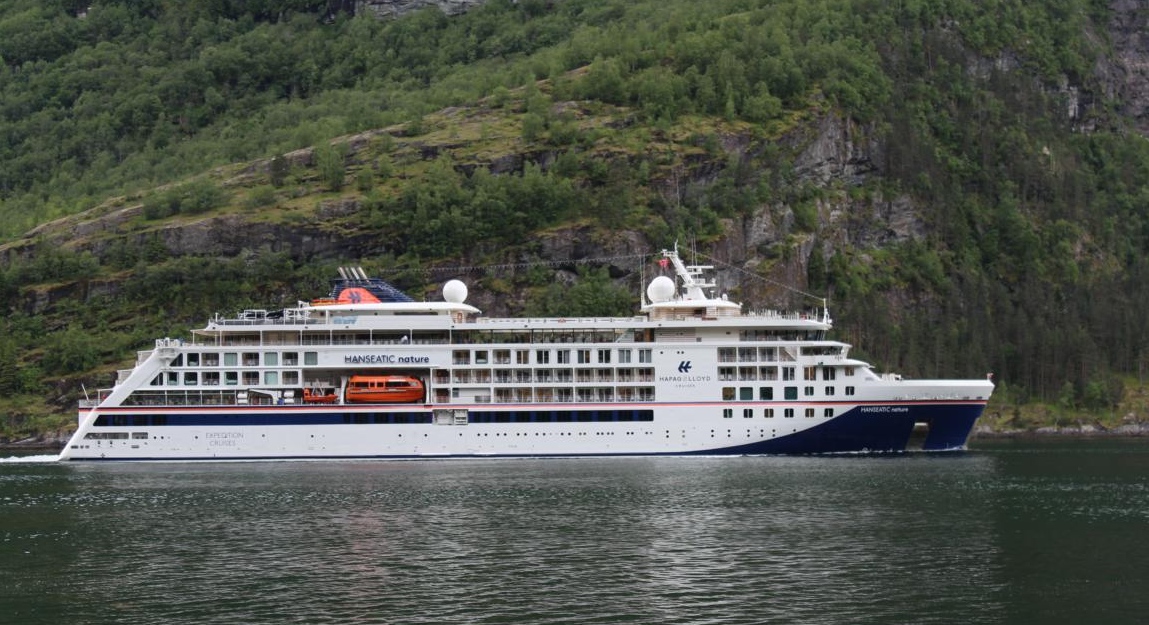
{"type": "Point", "coordinates": [368, 372]}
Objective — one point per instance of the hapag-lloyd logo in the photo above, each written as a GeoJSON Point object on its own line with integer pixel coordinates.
{"type": "Point", "coordinates": [684, 367]}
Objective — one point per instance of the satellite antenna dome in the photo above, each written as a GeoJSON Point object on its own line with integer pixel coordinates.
{"type": "Point", "coordinates": [455, 291]}
{"type": "Point", "coordinates": [660, 290]}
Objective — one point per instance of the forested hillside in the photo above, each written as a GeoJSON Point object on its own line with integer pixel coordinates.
{"type": "Point", "coordinates": [955, 176]}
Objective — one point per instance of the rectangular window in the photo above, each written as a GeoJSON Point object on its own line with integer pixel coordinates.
{"type": "Point", "coordinates": [584, 356]}
{"type": "Point", "coordinates": [727, 413]}
{"type": "Point", "coordinates": [291, 359]}
{"type": "Point", "coordinates": [271, 359]}
{"type": "Point", "coordinates": [808, 391]}
{"type": "Point", "coordinates": [310, 358]}
{"type": "Point", "coordinates": [604, 356]}
{"type": "Point", "coordinates": [481, 357]}
{"type": "Point", "coordinates": [727, 393]}
{"type": "Point", "coordinates": [829, 390]}
{"type": "Point", "coordinates": [849, 390]}
{"type": "Point", "coordinates": [193, 360]}
{"type": "Point", "coordinates": [746, 393]}
{"type": "Point", "coordinates": [644, 355]}
{"type": "Point", "coordinates": [747, 413]}
{"type": "Point", "coordinates": [230, 378]}
{"type": "Point", "coordinates": [768, 413]}
{"type": "Point", "coordinates": [809, 413]}
{"type": "Point", "coordinates": [230, 359]}
{"type": "Point", "coordinates": [543, 356]}
{"type": "Point", "coordinates": [789, 413]}
{"type": "Point", "coordinates": [564, 356]}
{"type": "Point", "coordinates": [791, 392]}
{"type": "Point", "coordinates": [828, 373]}
{"type": "Point", "coordinates": [291, 377]}
{"type": "Point", "coordinates": [766, 393]}
{"type": "Point", "coordinates": [829, 412]}
{"type": "Point", "coordinates": [809, 373]}
{"type": "Point", "coordinates": [624, 356]}
{"type": "Point", "coordinates": [849, 371]}
{"type": "Point", "coordinates": [787, 374]}
{"type": "Point", "coordinates": [271, 377]}
{"type": "Point", "coordinates": [250, 359]}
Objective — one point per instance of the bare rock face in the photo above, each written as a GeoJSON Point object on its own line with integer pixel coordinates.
{"type": "Point", "coordinates": [391, 9]}
{"type": "Point", "coordinates": [1126, 78]}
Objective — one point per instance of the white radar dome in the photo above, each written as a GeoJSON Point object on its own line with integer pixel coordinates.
{"type": "Point", "coordinates": [660, 289]}
{"type": "Point", "coordinates": [455, 291]}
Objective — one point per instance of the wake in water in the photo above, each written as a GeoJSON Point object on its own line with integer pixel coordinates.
{"type": "Point", "coordinates": [41, 458]}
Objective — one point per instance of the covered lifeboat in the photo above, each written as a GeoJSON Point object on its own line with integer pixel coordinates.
{"type": "Point", "coordinates": [384, 389]}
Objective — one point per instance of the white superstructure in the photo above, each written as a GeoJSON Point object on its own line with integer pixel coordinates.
{"type": "Point", "coordinates": [691, 374]}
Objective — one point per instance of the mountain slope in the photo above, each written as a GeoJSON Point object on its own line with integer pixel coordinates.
{"type": "Point", "coordinates": [952, 175]}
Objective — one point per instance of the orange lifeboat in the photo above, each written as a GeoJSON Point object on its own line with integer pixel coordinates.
{"type": "Point", "coordinates": [317, 396]}
{"type": "Point", "coordinates": [384, 389]}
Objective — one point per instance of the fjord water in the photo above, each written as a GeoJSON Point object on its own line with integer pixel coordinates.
{"type": "Point", "coordinates": [1008, 532]}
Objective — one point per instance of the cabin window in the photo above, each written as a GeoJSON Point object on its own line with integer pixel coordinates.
{"type": "Point", "coordinates": [768, 413]}
{"type": "Point", "coordinates": [747, 413]}
{"type": "Point", "coordinates": [829, 390]}
{"type": "Point", "coordinates": [767, 354]}
{"type": "Point", "coordinates": [543, 356]}
{"type": "Point", "coordinates": [230, 378]}
{"type": "Point", "coordinates": [604, 356]}
{"type": "Point", "coordinates": [727, 413]}
{"type": "Point", "coordinates": [809, 413]}
{"type": "Point", "coordinates": [564, 356]}
{"type": "Point", "coordinates": [788, 413]}
{"type": "Point", "coordinates": [828, 373]}
{"type": "Point", "coordinates": [173, 378]}
{"type": "Point", "coordinates": [726, 373]}
{"type": "Point", "coordinates": [624, 356]}
{"type": "Point", "coordinates": [190, 378]}
{"type": "Point", "coordinates": [644, 356]}
{"type": "Point", "coordinates": [848, 370]}
{"type": "Point", "coordinates": [849, 390]}
{"type": "Point", "coordinates": [746, 393]}
{"type": "Point", "coordinates": [727, 393]}
{"type": "Point", "coordinates": [461, 357]}
{"type": "Point", "coordinates": [290, 359]}
{"type": "Point", "coordinates": [766, 393]}
{"type": "Point", "coordinates": [583, 356]}
{"type": "Point", "coordinates": [291, 377]}
{"type": "Point", "coordinates": [251, 359]}
{"type": "Point", "coordinates": [271, 377]}
{"type": "Point", "coordinates": [250, 377]}
{"type": "Point", "coordinates": [768, 373]}
{"type": "Point", "coordinates": [271, 359]}
{"type": "Point", "coordinates": [829, 412]}
{"type": "Point", "coordinates": [310, 358]}
{"type": "Point", "coordinates": [747, 354]}
{"type": "Point", "coordinates": [809, 373]}
{"type": "Point", "coordinates": [481, 357]}
{"type": "Point", "coordinates": [193, 360]}
{"type": "Point", "coordinates": [808, 391]}
{"type": "Point", "coordinates": [178, 361]}
{"type": "Point", "coordinates": [787, 373]}
{"type": "Point", "coordinates": [230, 359]}
{"type": "Point", "coordinates": [522, 357]}
{"type": "Point", "coordinates": [791, 392]}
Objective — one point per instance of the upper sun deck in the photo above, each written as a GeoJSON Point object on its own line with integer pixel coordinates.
{"type": "Point", "coordinates": [361, 303]}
